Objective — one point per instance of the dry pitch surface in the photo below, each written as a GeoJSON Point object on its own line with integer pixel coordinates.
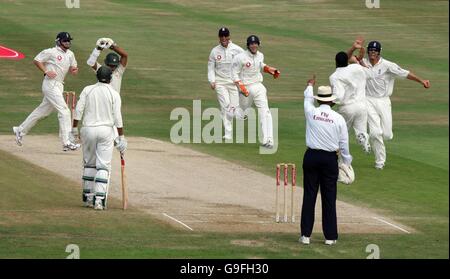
{"type": "Point", "coordinates": [194, 191]}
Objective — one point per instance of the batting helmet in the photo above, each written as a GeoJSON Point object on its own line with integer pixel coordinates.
{"type": "Point", "coordinates": [112, 59]}
{"type": "Point", "coordinates": [104, 74]}
{"type": "Point", "coordinates": [63, 36]}
{"type": "Point", "coordinates": [253, 39]}
{"type": "Point", "coordinates": [374, 45]}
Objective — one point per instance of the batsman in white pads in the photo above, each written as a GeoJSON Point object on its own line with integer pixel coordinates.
{"type": "Point", "coordinates": [100, 108]}
{"type": "Point", "coordinates": [55, 63]}
{"type": "Point", "coordinates": [246, 74]}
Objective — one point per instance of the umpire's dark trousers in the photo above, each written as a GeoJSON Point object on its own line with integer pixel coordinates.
{"type": "Point", "coordinates": [320, 168]}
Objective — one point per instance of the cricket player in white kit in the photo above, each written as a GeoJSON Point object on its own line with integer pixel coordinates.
{"type": "Point", "coordinates": [55, 63]}
{"type": "Point", "coordinates": [246, 74]}
{"type": "Point", "coordinates": [113, 61]}
{"type": "Point", "coordinates": [349, 86]}
{"type": "Point", "coordinates": [219, 77]}
{"type": "Point", "coordinates": [100, 108]}
{"type": "Point", "coordinates": [378, 91]}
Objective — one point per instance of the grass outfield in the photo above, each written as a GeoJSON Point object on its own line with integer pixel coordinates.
{"type": "Point", "coordinates": [168, 43]}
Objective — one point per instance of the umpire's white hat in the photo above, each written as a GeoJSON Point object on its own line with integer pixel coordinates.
{"type": "Point", "coordinates": [324, 94]}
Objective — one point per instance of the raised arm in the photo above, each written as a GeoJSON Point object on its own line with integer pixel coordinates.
{"type": "Point", "coordinates": [308, 102]}
{"type": "Point", "coordinates": [123, 54]}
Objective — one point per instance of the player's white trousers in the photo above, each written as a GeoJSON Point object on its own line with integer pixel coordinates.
{"type": "Point", "coordinates": [53, 100]}
{"type": "Point", "coordinates": [227, 95]}
{"type": "Point", "coordinates": [98, 145]}
{"type": "Point", "coordinates": [380, 126]}
{"type": "Point", "coordinates": [355, 115]}
{"type": "Point", "coordinates": [258, 95]}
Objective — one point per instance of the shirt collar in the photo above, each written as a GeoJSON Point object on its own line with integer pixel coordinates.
{"type": "Point", "coordinates": [325, 107]}
{"type": "Point", "coordinates": [60, 49]}
{"type": "Point", "coordinates": [251, 54]}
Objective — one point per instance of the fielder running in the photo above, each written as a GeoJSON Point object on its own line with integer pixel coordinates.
{"type": "Point", "coordinates": [246, 74]}
{"type": "Point", "coordinates": [219, 77]}
{"type": "Point", "coordinates": [378, 91]}
{"type": "Point", "coordinates": [349, 86]}
{"type": "Point", "coordinates": [100, 107]}
{"type": "Point", "coordinates": [55, 63]}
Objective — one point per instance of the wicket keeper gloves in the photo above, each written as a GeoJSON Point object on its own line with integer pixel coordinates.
{"type": "Point", "coordinates": [271, 70]}
{"type": "Point", "coordinates": [121, 143]}
{"type": "Point", "coordinates": [242, 88]}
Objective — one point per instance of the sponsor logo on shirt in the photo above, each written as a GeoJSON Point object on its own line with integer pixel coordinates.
{"type": "Point", "coordinates": [219, 57]}
{"type": "Point", "coordinates": [59, 58]}
{"type": "Point", "coordinates": [248, 64]}
{"type": "Point", "coordinates": [323, 117]}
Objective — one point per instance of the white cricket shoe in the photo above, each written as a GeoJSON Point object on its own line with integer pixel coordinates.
{"type": "Point", "coordinates": [18, 134]}
{"type": "Point", "coordinates": [304, 240]}
{"type": "Point", "coordinates": [330, 242]}
{"type": "Point", "coordinates": [363, 140]}
{"type": "Point", "coordinates": [379, 166]}
{"type": "Point", "coordinates": [89, 201]}
{"type": "Point", "coordinates": [268, 144]}
{"type": "Point", "coordinates": [70, 146]}
{"type": "Point", "coordinates": [98, 204]}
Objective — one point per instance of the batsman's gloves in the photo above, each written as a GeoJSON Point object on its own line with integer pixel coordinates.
{"type": "Point", "coordinates": [121, 143]}
{"type": "Point", "coordinates": [103, 43]}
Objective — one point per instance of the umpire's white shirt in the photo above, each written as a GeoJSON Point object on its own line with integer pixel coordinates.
{"type": "Point", "coordinates": [219, 63]}
{"type": "Point", "coordinates": [325, 129]}
{"type": "Point", "coordinates": [57, 60]}
{"type": "Point", "coordinates": [247, 67]}
{"type": "Point", "coordinates": [384, 74]}
{"type": "Point", "coordinates": [116, 79]}
{"type": "Point", "coordinates": [99, 105]}
{"type": "Point", "coordinates": [349, 84]}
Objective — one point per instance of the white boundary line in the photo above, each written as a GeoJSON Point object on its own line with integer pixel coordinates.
{"type": "Point", "coordinates": [178, 221]}
{"type": "Point", "coordinates": [386, 222]}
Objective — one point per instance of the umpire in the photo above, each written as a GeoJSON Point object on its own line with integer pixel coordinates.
{"type": "Point", "coordinates": [326, 135]}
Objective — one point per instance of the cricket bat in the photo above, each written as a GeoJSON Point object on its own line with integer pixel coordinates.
{"type": "Point", "coordinates": [124, 185]}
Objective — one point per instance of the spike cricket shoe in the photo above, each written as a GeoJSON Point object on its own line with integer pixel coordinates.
{"type": "Point", "coordinates": [18, 134]}
{"type": "Point", "coordinates": [70, 146]}
{"type": "Point", "coordinates": [98, 204]}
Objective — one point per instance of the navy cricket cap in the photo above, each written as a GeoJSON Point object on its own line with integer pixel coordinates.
{"type": "Point", "coordinates": [224, 32]}
{"type": "Point", "coordinates": [374, 45]}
